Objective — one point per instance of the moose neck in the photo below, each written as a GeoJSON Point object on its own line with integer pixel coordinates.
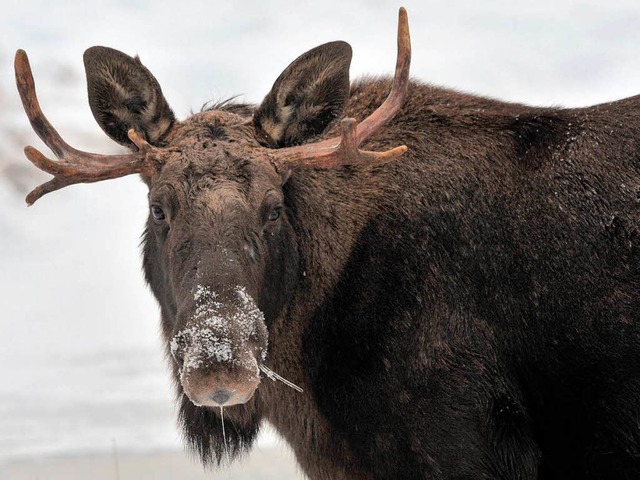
{"type": "Point", "coordinates": [329, 208]}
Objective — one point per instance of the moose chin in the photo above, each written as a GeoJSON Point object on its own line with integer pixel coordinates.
{"type": "Point", "coordinates": [442, 286]}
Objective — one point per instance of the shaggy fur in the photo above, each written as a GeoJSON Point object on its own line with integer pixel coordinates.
{"type": "Point", "coordinates": [467, 312]}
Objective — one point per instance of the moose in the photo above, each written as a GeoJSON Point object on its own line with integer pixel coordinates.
{"type": "Point", "coordinates": [451, 285]}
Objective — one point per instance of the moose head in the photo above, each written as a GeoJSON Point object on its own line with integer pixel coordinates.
{"type": "Point", "coordinates": [220, 250]}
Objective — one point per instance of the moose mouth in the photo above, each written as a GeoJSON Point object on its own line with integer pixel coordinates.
{"type": "Point", "coordinates": [220, 348]}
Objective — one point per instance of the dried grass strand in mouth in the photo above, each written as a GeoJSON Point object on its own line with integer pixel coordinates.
{"type": "Point", "coordinates": [274, 376]}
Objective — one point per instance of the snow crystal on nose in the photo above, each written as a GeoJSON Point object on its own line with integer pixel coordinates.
{"type": "Point", "coordinates": [201, 345]}
{"type": "Point", "coordinates": [204, 294]}
{"type": "Point", "coordinates": [216, 334]}
{"type": "Point", "coordinates": [247, 301]}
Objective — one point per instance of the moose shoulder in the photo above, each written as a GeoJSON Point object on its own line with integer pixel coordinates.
{"type": "Point", "coordinates": [458, 298]}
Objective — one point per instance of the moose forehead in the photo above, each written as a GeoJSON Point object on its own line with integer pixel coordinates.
{"type": "Point", "coordinates": [211, 127]}
{"type": "Point", "coordinates": [213, 150]}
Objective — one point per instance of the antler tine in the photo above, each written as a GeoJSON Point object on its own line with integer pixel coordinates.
{"type": "Point", "coordinates": [393, 103]}
{"type": "Point", "coordinates": [343, 150]}
{"type": "Point", "coordinates": [74, 166]}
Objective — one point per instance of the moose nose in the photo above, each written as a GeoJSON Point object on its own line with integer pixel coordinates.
{"type": "Point", "coordinates": [221, 396]}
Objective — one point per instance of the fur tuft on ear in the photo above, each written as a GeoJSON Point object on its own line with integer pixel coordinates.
{"type": "Point", "coordinates": [307, 97]}
{"type": "Point", "coordinates": [123, 94]}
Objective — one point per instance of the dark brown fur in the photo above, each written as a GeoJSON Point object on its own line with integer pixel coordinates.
{"type": "Point", "coordinates": [469, 311]}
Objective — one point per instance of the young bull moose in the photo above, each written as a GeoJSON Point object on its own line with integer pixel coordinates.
{"type": "Point", "coordinates": [467, 310]}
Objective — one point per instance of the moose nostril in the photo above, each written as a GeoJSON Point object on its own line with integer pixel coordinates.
{"type": "Point", "coordinates": [220, 397]}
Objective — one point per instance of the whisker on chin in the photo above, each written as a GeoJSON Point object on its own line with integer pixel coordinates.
{"type": "Point", "coordinates": [224, 434]}
{"type": "Point", "coordinates": [274, 376]}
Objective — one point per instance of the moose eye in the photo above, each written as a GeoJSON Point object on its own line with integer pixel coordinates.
{"type": "Point", "coordinates": [157, 213]}
{"type": "Point", "coordinates": [275, 214]}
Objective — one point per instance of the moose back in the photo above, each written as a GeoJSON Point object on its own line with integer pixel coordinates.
{"type": "Point", "coordinates": [456, 299]}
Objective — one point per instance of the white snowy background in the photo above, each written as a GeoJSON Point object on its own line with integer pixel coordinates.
{"type": "Point", "coordinates": [80, 356]}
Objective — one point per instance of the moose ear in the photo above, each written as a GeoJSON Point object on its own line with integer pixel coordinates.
{"type": "Point", "coordinates": [123, 94]}
{"type": "Point", "coordinates": [309, 95]}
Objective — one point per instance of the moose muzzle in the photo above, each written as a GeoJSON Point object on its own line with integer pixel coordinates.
{"type": "Point", "coordinates": [220, 341]}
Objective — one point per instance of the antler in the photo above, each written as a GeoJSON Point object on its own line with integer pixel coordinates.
{"type": "Point", "coordinates": [74, 166]}
{"type": "Point", "coordinates": [344, 150]}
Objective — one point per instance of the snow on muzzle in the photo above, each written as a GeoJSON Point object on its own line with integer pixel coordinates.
{"type": "Point", "coordinates": [221, 340]}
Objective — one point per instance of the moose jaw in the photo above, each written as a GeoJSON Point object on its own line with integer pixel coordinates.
{"type": "Point", "coordinates": [460, 307]}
